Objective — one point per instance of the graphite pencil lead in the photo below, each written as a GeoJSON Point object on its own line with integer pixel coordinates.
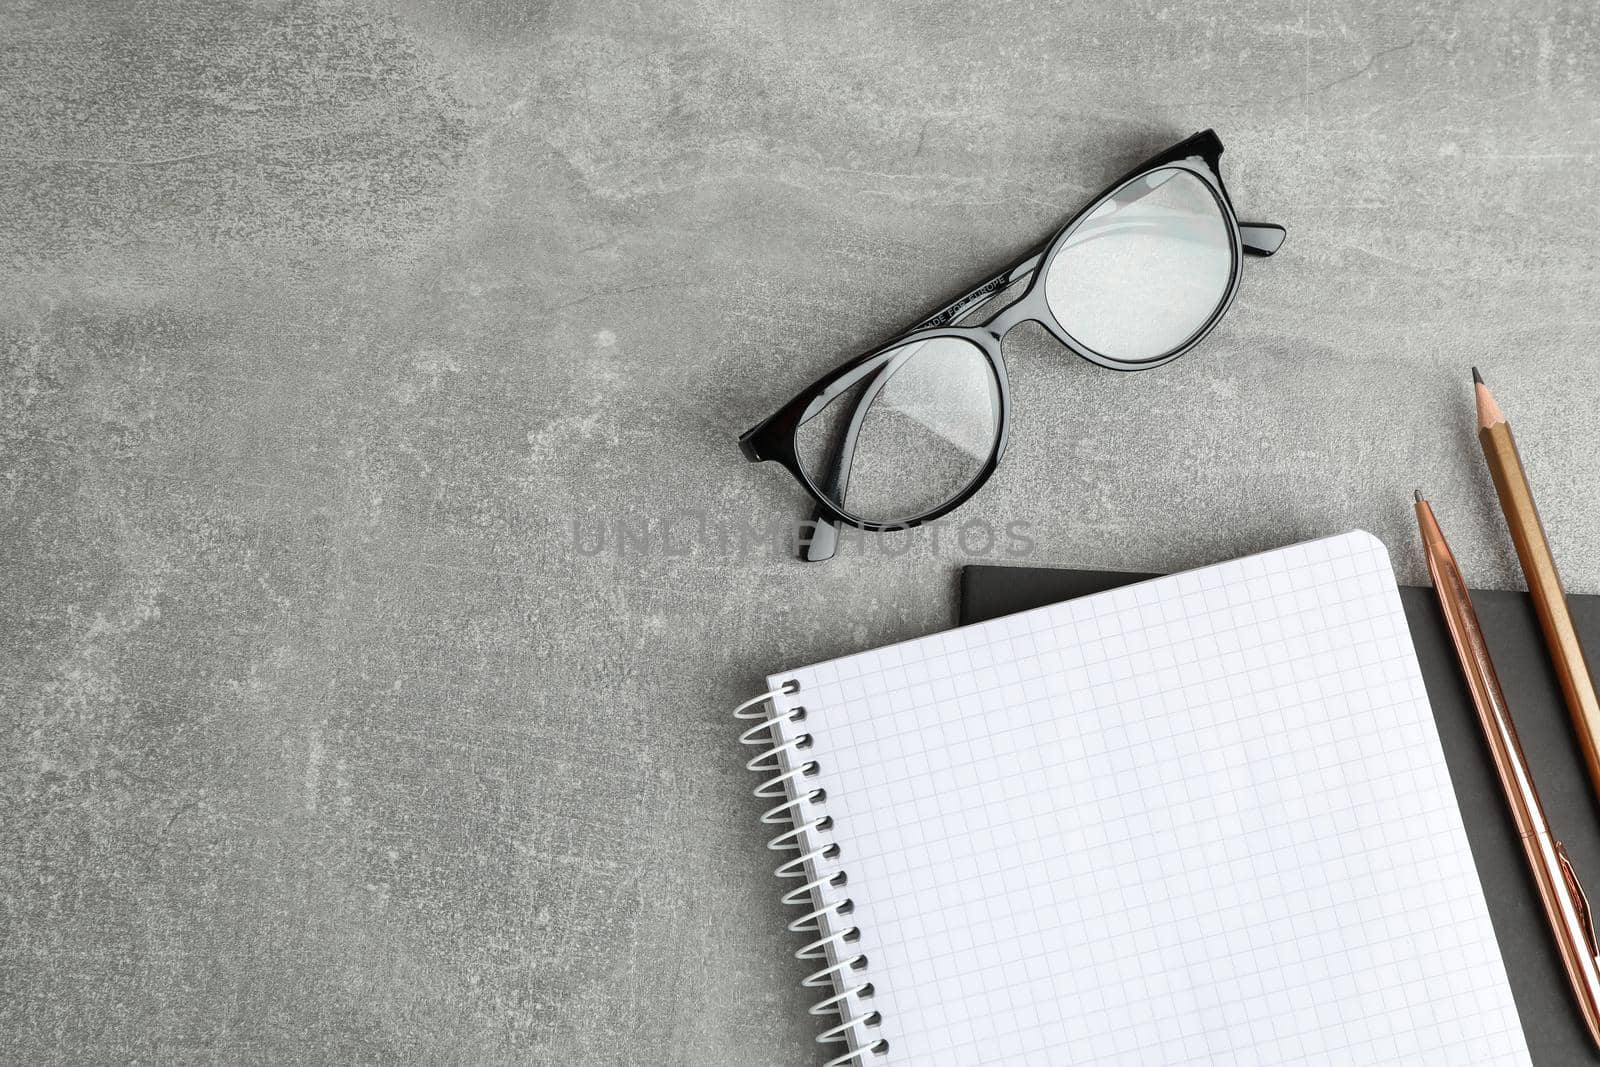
{"type": "Point", "coordinates": [1489, 411]}
{"type": "Point", "coordinates": [1418, 494]}
{"type": "Point", "coordinates": [1476, 377]}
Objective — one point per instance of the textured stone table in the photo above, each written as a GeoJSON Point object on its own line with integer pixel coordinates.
{"type": "Point", "coordinates": [329, 738]}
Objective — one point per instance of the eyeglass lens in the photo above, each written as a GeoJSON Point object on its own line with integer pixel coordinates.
{"type": "Point", "coordinates": [908, 434]}
{"type": "Point", "coordinates": [1145, 270]}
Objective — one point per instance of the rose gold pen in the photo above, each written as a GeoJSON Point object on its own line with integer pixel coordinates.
{"type": "Point", "coordinates": [1565, 905]}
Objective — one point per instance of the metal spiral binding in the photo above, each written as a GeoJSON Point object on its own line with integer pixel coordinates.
{"type": "Point", "coordinates": [841, 965]}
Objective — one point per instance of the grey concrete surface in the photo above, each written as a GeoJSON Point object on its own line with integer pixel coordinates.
{"type": "Point", "coordinates": [324, 740]}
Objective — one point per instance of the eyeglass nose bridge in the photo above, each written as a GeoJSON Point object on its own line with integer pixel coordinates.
{"type": "Point", "coordinates": [1008, 318]}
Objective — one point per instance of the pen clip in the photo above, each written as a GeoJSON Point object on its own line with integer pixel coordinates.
{"type": "Point", "coordinates": [1579, 899]}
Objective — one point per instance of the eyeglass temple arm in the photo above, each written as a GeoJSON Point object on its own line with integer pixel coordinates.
{"type": "Point", "coordinates": [963, 304]}
{"type": "Point", "coordinates": [1258, 238]}
{"type": "Point", "coordinates": [824, 539]}
{"type": "Point", "coordinates": [1261, 238]}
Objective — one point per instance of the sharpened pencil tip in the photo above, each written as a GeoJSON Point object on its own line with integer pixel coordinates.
{"type": "Point", "coordinates": [1418, 494]}
{"type": "Point", "coordinates": [1476, 376]}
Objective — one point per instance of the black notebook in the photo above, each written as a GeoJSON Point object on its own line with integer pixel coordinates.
{"type": "Point", "coordinates": [1551, 1023]}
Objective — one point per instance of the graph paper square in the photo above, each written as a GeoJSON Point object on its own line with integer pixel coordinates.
{"type": "Point", "coordinates": [1204, 819]}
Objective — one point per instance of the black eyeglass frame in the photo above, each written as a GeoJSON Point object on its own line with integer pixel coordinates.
{"type": "Point", "coordinates": [774, 439]}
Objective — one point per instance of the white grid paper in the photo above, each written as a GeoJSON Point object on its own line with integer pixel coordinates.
{"type": "Point", "coordinates": [1201, 819]}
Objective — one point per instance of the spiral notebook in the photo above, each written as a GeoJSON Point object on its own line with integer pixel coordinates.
{"type": "Point", "coordinates": [1200, 819]}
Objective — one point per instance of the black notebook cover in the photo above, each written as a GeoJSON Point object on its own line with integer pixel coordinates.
{"type": "Point", "coordinates": [1550, 1018]}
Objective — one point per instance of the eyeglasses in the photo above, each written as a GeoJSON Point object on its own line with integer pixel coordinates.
{"type": "Point", "coordinates": [911, 430]}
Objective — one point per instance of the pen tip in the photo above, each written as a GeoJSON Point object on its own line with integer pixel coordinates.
{"type": "Point", "coordinates": [1476, 376]}
{"type": "Point", "coordinates": [1418, 494]}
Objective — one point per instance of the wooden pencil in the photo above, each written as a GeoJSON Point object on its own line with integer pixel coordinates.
{"type": "Point", "coordinates": [1544, 581]}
